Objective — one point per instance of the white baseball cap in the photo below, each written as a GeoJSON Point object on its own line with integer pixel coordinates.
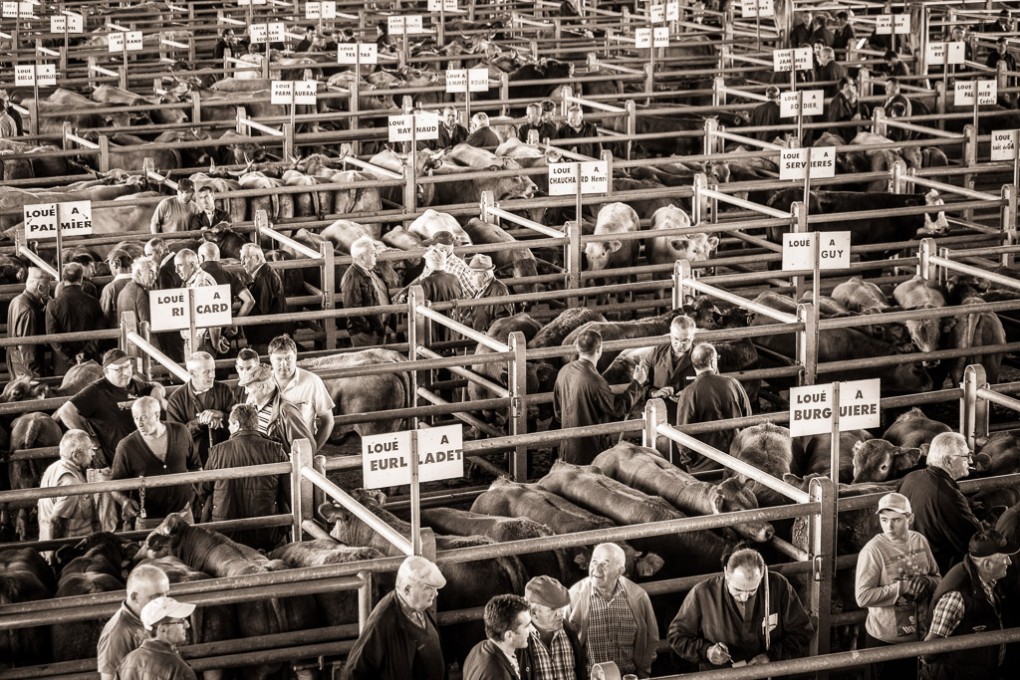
{"type": "Point", "coordinates": [164, 608]}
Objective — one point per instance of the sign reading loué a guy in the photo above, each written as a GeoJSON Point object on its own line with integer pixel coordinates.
{"type": "Point", "coordinates": [385, 458]}
{"type": "Point", "coordinates": [171, 309]}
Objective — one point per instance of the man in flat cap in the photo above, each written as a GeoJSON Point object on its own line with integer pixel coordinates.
{"type": "Point", "coordinates": [400, 640]}
{"type": "Point", "coordinates": [278, 418]}
{"type": "Point", "coordinates": [166, 620]}
{"type": "Point", "coordinates": [968, 600]}
{"type": "Point", "coordinates": [554, 651]}
{"type": "Point", "coordinates": [485, 285]}
{"type": "Point", "coordinates": [444, 241]}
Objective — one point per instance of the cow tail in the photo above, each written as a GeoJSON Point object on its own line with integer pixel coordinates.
{"type": "Point", "coordinates": [281, 614]}
{"type": "Point", "coordinates": [274, 200]}
{"type": "Point", "coordinates": [315, 205]}
{"type": "Point", "coordinates": [31, 434]}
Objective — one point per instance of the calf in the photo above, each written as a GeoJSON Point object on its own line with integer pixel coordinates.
{"type": "Point", "coordinates": [669, 249]}
{"type": "Point", "coordinates": [914, 428]}
{"type": "Point", "coordinates": [24, 577]}
{"type": "Point", "coordinates": [29, 431]}
{"type": "Point", "coordinates": [556, 331]}
{"type": "Point", "coordinates": [430, 222]}
{"type": "Point", "coordinates": [861, 296]}
{"type": "Point", "coordinates": [818, 453]}
{"type": "Point", "coordinates": [926, 334]}
{"type": "Point", "coordinates": [769, 448]}
{"type": "Point", "coordinates": [876, 461]}
{"type": "Point", "coordinates": [1000, 455]}
{"type": "Point", "coordinates": [613, 218]}
{"type": "Point", "coordinates": [980, 329]}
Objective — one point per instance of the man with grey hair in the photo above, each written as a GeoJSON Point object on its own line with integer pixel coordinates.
{"type": "Point", "coordinates": [124, 632]}
{"type": "Point", "coordinates": [400, 639]}
{"type": "Point", "coordinates": [26, 316]}
{"type": "Point", "coordinates": [206, 339]}
{"type": "Point", "coordinates": [266, 289]}
{"type": "Point", "coordinates": [202, 404]}
{"type": "Point", "coordinates": [134, 296]}
{"type": "Point", "coordinates": [73, 311]}
{"type": "Point", "coordinates": [361, 286]}
{"type": "Point", "coordinates": [669, 366]}
{"type": "Point", "coordinates": [941, 511]}
{"type": "Point", "coordinates": [613, 615]}
{"type": "Point", "coordinates": [209, 262]}
{"type": "Point", "coordinates": [73, 515]}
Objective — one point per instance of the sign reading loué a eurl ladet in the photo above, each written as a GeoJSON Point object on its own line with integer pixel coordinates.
{"type": "Point", "coordinates": [385, 458]}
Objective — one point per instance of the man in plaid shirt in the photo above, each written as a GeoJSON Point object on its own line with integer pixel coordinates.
{"type": "Point", "coordinates": [554, 651]}
{"type": "Point", "coordinates": [968, 601]}
{"type": "Point", "coordinates": [443, 240]}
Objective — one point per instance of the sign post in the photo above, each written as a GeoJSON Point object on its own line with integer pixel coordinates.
{"type": "Point", "coordinates": [35, 75]}
{"type": "Point", "coordinates": [294, 93]}
{"type": "Point", "coordinates": [946, 53]}
{"type": "Point", "coordinates": [801, 103]}
{"type": "Point", "coordinates": [404, 25]}
{"type": "Point", "coordinates": [976, 93]}
{"type": "Point", "coordinates": [177, 309]}
{"type": "Point", "coordinates": [466, 81]}
{"type": "Point", "coordinates": [793, 60]}
{"type": "Point", "coordinates": [49, 220]}
{"type": "Point", "coordinates": [319, 10]}
{"type": "Point", "coordinates": [66, 23]}
{"type": "Point", "coordinates": [757, 9]}
{"type": "Point", "coordinates": [1005, 145]}
{"type": "Point", "coordinates": [357, 54]}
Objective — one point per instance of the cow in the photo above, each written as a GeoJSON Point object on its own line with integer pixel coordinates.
{"type": "Point", "coordinates": [556, 331]}
{"type": "Point", "coordinates": [23, 389]}
{"type": "Point", "coordinates": [926, 334]}
{"type": "Point", "coordinates": [228, 241]}
{"type": "Point", "coordinates": [644, 469]}
{"type": "Point", "coordinates": [613, 218]}
{"type": "Point", "coordinates": [877, 460]}
{"type": "Point", "coordinates": [365, 393]}
{"type": "Point", "coordinates": [518, 263]}
{"type": "Point", "coordinates": [80, 111]}
{"type": "Point", "coordinates": [277, 206]}
{"type": "Point", "coordinates": [29, 431]}
{"type": "Point", "coordinates": [430, 222]}
{"type": "Point", "coordinates": [1000, 455]}
{"type": "Point", "coordinates": [621, 330]}
{"type": "Point", "coordinates": [669, 249]}
{"type": "Point", "coordinates": [425, 164]}
{"type": "Point", "coordinates": [818, 453]}
{"type": "Point", "coordinates": [534, 81]}
{"type": "Point", "coordinates": [468, 584]}
{"type": "Point", "coordinates": [24, 577]}
{"type": "Point", "coordinates": [305, 205]}
{"type": "Point", "coordinates": [979, 329]}
{"type": "Point", "coordinates": [507, 498]}
{"type": "Point", "coordinates": [129, 152]}
{"type": "Point", "coordinates": [686, 553]}
{"type": "Point", "coordinates": [502, 187]}
{"type": "Point", "coordinates": [155, 114]}
{"type": "Point", "coordinates": [769, 448]}
{"type": "Point", "coordinates": [860, 296]}
{"type": "Point", "coordinates": [105, 220]}
{"type": "Point", "coordinates": [913, 429]}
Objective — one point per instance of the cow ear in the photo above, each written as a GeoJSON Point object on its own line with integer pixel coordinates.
{"type": "Point", "coordinates": [717, 504]}
{"type": "Point", "coordinates": [328, 512]}
{"type": "Point", "coordinates": [793, 480]}
{"type": "Point", "coordinates": [910, 457]}
{"type": "Point", "coordinates": [613, 246]}
{"type": "Point", "coordinates": [713, 242]}
{"type": "Point", "coordinates": [948, 323]}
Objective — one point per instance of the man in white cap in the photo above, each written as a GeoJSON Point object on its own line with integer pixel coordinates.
{"type": "Point", "coordinates": [896, 574]}
{"type": "Point", "coordinates": [554, 651]}
{"type": "Point", "coordinates": [158, 658]}
{"type": "Point", "coordinates": [400, 640]}
{"type": "Point", "coordinates": [486, 285]}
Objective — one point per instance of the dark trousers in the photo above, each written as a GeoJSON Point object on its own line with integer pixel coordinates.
{"type": "Point", "coordinates": [897, 669]}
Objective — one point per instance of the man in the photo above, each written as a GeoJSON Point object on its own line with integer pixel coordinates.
{"type": "Point", "coordinates": [88, 273]}
{"type": "Point", "coordinates": [124, 632]}
{"type": "Point", "coordinates": [669, 367]}
{"type": "Point", "coordinates": [543, 130]}
{"type": "Point", "coordinates": [968, 600]}
{"type": "Point", "coordinates": [845, 106]}
{"type": "Point", "coordinates": [801, 33]}
{"type": "Point", "coordinates": [941, 512]}
{"type": "Point", "coordinates": [267, 290]}
{"type": "Point", "coordinates": [26, 316]}
{"type": "Point", "coordinates": [74, 515]}
{"type": "Point", "coordinates": [241, 299]}
{"type": "Point", "coordinates": [485, 285]}
{"type": "Point", "coordinates": [444, 241]}
{"type": "Point", "coordinates": [155, 448]}
{"type": "Point", "coordinates": [1003, 55]}
{"type": "Point", "coordinates": [211, 339]}
{"type": "Point", "coordinates": [226, 46]}
{"type": "Point", "coordinates": [400, 640]}
{"type": "Point", "coordinates": [247, 496]}
{"type": "Point", "coordinates": [174, 213]}
{"type": "Point", "coordinates": [134, 298]}
{"type": "Point", "coordinates": [819, 32]}
{"type": "Point", "coordinates": [481, 134]}
{"type": "Point", "coordinates": [747, 615]}
{"type": "Point", "coordinates": [5, 106]}
{"type": "Point", "coordinates": [554, 651]}
{"type": "Point", "coordinates": [896, 575]}
{"type": "Point", "coordinates": [361, 286]}
{"type": "Point", "coordinates": [207, 214]}
{"type": "Point", "coordinates": [844, 36]}
{"type": "Point", "coordinates": [72, 311]}
{"type": "Point", "coordinates": [158, 658]}
{"type": "Point", "coordinates": [507, 630]}
{"type": "Point", "coordinates": [582, 397]}
{"type": "Point", "coordinates": [306, 43]}
{"type": "Point", "coordinates": [247, 361]}
{"type": "Point", "coordinates": [613, 615]}
{"type": "Point", "coordinates": [766, 114]}
{"type": "Point", "coordinates": [451, 133]}
{"type": "Point", "coordinates": [894, 66]}
{"type": "Point", "coordinates": [438, 285]}
{"type": "Point", "coordinates": [1001, 25]}
{"type": "Point", "coordinates": [279, 419]}
{"type": "Point", "coordinates": [896, 104]}
{"type": "Point", "coordinates": [709, 398]}
{"type": "Point", "coordinates": [575, 128]}
{"type": "Point", "coordinates": [120, 262]}
{"type": "Point", "coordinates": [202, 404]}
{"type": "Point", "coordinates": [104, 407]}
{"type": "Point", "coordinates": [302, 388]}
{"type": "Point", "coordinates": [8, 124]}
{"type": "Point", "coordinates": [166, 276]}
{"type": "Point", "coordinates": [828, 71]}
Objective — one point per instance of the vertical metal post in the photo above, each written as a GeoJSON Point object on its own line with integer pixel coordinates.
{"type": "Point", "coordinates": [328, 291]}
{"type": "Point", "coordinates": [834, 449]}
{"type": "Point", "coordinates": [897, 171]}
{"type": "Point", "coordinates": [144, 331]}
{"type": "Point", "coordinates": [973, 410]}
{"type": "Point", "coordinates": [681, 272]}
{"type": "Point", "coordinates": [364, 600]}
{"type": "Point", "coordinates": [925, 269]}
{"type": "Point", "coordinates": [823, 561]}
{"type": "Point", "coordinates": [300, 488]}
{"type": "Point", "coordinates": [800, 226]}
{"type": "Point", "coordinates": [573, 258]}
{"type": "Point", "coordinates": [807, 343]}
{"type": "Point", "coordinates": [711, 125]}
{"type": "Point", "coordinates": [698, 202]}
{"type": "Point", "coordinates": [517, 385]}
{"type": "Point", "coordinates": [1008, 215]}
{"type": "Point", "coordinates": [655, 415]}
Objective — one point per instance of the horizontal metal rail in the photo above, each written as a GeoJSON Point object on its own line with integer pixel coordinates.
{"type": "Point", "coordinates": [999, 399]}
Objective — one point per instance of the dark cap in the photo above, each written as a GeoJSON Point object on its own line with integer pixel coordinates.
{"type": "Point", "coordinates": [990, 542]}
{"type": "Point", "coordinates": [115, 356]}
{"type": "Point", "coordinates": [440, 237]}
{"type": "Point", "coordinates": [185, 184]}
{"type": "Point", "coordinates": [772, 92]}
{"type": "Point", "coordinates": [546, 591]}
{"type": "Point", "coordinates": [259, 374]}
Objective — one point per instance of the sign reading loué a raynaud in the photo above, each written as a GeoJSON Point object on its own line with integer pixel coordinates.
{"type": "Point", "coordinates": [385, 458]}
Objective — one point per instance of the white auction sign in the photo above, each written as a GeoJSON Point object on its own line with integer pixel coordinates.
{"type": "Point", "coordinates": [1004, 145]}
{"type": "Point", "coordinates": [946, 53]}
{"type": "Point", "coordinates": [18, 10]}
{"type": "Point", "coordinates": [24, 75]}
{"type": "Point", "coordinates": [814, 103]}
{"type": "Point", "coordinates": [73, 218]}
{"type": "Point", "coordinates": [987, 92]}
{"type": "Point", "coordinates": [564, 180]}
{"type": "Point", "coordinates": [660, 36]}
{"type": "Point", "coordinates": [799, 58]}
{"type": "Point", "coordinates": [643, 38]}
{"type": "Point", "coordinates": [385, 459]}
{"type": "Point", "coordinates": [478, 79]}
{"type": "Point", "coordinates": [460, 80]}
{"type": "Point", "coordinates": [67, 23]}
{"type": "Point", "coordinates": [811, 407]}
{"type": "Point", "coordinates": [888, 24]}
{"type": "Point", "coordinates": [673, 10]}
{"type": "Point", "coordinates": [274, 31]}
{"type": "Point", "coordinates": [657, 13]}
{"type": "Point", "coordinates": [246, 3]}
{"type": "Point", "coordinates": [285, 92]}
{"type": "Point", "coordinates": [325, 9]}
{"type": "Point", "coordinates": [833, 252]}
{"type": "Point", "coordinates": [425, 124]}
{"type": "Point", "coordinates": [442, 5]}
{"type": "Point", "coordinates": [354, 53]}
{"type": "Point", "coordinates": [125, 41]}
{"type": "Point", "coordinates": [757, 8]}
{"type": "Point", "coordinates": [793, 163]}
{"type": "Point", "coordinates": [171, 309]}
{"type": "Point", "coordinates": [411, 24]}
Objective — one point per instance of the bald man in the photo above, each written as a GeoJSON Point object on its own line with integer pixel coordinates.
{"type": "Point", "coordinates": [124, 632]}
{"type": "Point", "coordinates": [26, 316]}
{"type": "Point", "coordinates": [207, 339]}
{"type": "Point", "coordinates": [209, 262]}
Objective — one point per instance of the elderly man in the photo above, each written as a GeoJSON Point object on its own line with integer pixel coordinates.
{"type": "Point", "coordinates": [302, 388]}
{"type": "Point", "coordinates": [481, 134]}
{"type": "Point", "coordinates": [582, 397]}
{"type": "Point", "coordinates": [613, 615]}
{"type": "Point", "coordinates": [209, 340]}
{"type": "Point", "coordinates": [575, 127]}
{"type": "Point", "coordinates": [485, 285]}
{"type": "Point", "coordinates": [766, 114]}
{"type": "Point", "coordinates": [202, 404]}
{"type": "Point", "coordinates": [711, 397]}
{"type": "Point", "coordinates": [158, 658]}
{"type": "Point", "coordinates": [400, 640]}
{"type": "Point", "coordinates": [438, 285]}
{"type": "Point", "coordinates": [134, 298]}
{"type": "Point", "coordinates": [554, 651]}
{"type": "Point", "coordinates": [941, 512]}
{"type": "Point", "coordinates": [828, 71]}
{"type": "Point", "coordinates": [896, 575]}
{"type": "Point", "coordinates": [174, 214]}
{"type": "Point", "coordinates": [119, 261]}
{"type": "Point", "coordinates": [124, 632]}
{"type": "Point", "coordinates": [74, 515]}
{"type": "Point", "coordinates": [747, 615]}
{"type": "Point", "coordinates": [507, 630]}
{"type": "Point", "coordinates": [444, 241]}
{"type": "Point", "coordinates": [166, 275]}
{"type": "Point", "coordinates": [361, 286]}
{"type": "Point", "coordinates": [968, 600]}
{"type": "Point", "coordinates": [267, 289]}
{"type": "Point", "coordinates": [73, 311]}
{"type": "Point", "coordinates": [279, 419]}
{"type": "Point", "coordinates": [155, 448]}
{"type": "Point", "coordinates": [104, 407]}
{"type": "Point", "coordinates": [241, 298]}
{"type": "Point", "coordinates": [247, 496]}
{"type": "Point", "coordinates": [669, 366]}
{"type": "Point", "coordinates": [26, 316]}
{"type": "Point", "coordinates": [845, 105]}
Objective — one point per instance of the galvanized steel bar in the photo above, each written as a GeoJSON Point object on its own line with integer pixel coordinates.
{"type": "Point", "coordinates": [750, 205]}
{"type": "Point", "coordinates": [749, 305]}
{"type": "Point", "coordinates": [269, 232]}
{"type": "Point", "coordinates": [166, 362]}
{"type": "Point", "coordinates": [466, 331]}
{"type": "Point", "coordinates": [999, 399]}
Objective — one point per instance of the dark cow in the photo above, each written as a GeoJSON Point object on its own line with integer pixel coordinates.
{"type": "Point", "coordinates": [980, 329]}
{"type": "Point", "coordinates": [507, 498]}
{"type": "Point", "coordinates": [469, 584]}
{"type": "Point", "coordinates": [769, 448]}
{"type": "Point", "coordinates": [877, 461]}
{"type": "Point", "coordinates": [620, 330]}
{"type": "Point", "coordinates": [818, 453]}
{"type": "Point", "coordinates": [549, 74]}
{"type": "Point", "coordinates": [914, 428]}
{"type": "Point", "coordinates": [453, 191]}
{"type": "Point", "coordinates": [29, 431]}
{"type": "Point", "coordinates": [23, 389]}
{"type": "Point", "coordinates": [556, 331]}
{"type": "Point", "coordinates": [24, 577]}
{"type": "Point", "coordinates": [644, 469]}
{"type": "Point", "coordinates": [1000, 455]}
{"type": "Point", "coordinates": [518, 263]}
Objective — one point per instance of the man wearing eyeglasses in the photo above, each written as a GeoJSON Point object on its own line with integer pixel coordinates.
{"type": "Point", "coordinates": [166, 620]}
{"type": "Point", "coordinates": [941, 512]}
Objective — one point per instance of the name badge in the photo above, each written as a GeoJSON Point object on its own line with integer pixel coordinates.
{"type": "Point", "coordinates": [772, 622]}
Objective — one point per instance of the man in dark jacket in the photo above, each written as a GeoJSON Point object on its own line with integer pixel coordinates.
{"type": "Point", "coordinates": [361, 286]}
{"type": "Point", "coordinates": [582, 397]}
{"type": "Point", "coordinates": [554, 651]}
{"type": "Point", "coordinates": [247, 496]}
{"type": "Point", "coordinates": [738, 617]}
{"type": "Point", "coordinates": [845, 106]}
{"type": "Point", "coordinates": [166, 621]}
{"type": "Point", "coordinates": [968, 601]}
{"type": "Point", "coordinates": [279, 419]}
{"type": "Point", "coordinates": [575, 128]}
{"type": "Point", "coordinates": [709, 398]}
{"type": "Point", "coordinates": [507, 630]}
{"type": "Point", "coordinates": [669, 366]}
{"type": "Point", "coordinates": [451, 133]}
{"type": "Point", "coordinates": [844, 36]}
{"type": "Point", "coordinates": [26, 316]}
{"type": "Point", "coordinates": [208, 214]}
{"type": "Point", "coordinates": [481, 134]}
{"type": "Point", "coordinates": [941, 512]}
{"type": "Point", "coordinates": [486, 285]}
{"type": "Point", "coordinates": [400, 640]}
{"type": "Point", "coordinates": [267, 290]}
{"type": "Point", "coordinates": [544, 129]}
{"type": "Point", "coordinates": [202, 404]}
{"type": "Point", "coordinates": [766, 114]}
{"type": "Point", "coordinates": [73, 311]}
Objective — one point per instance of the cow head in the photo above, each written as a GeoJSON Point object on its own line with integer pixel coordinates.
{"type": "Point", "coordinates": [694, 247]}
{"type": "Point", "coordinates": [23, 389]}
{"type": "Point", "coordinates": [926, 335]}
{"type": "Point", "coordinates": [598, 254]}
{"type": "Point", "coordinates": [732, 496]}
{"type": "Point", "coordinates": [877, 460]}
{"type": "Point", "coordinates": [165, 539]}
